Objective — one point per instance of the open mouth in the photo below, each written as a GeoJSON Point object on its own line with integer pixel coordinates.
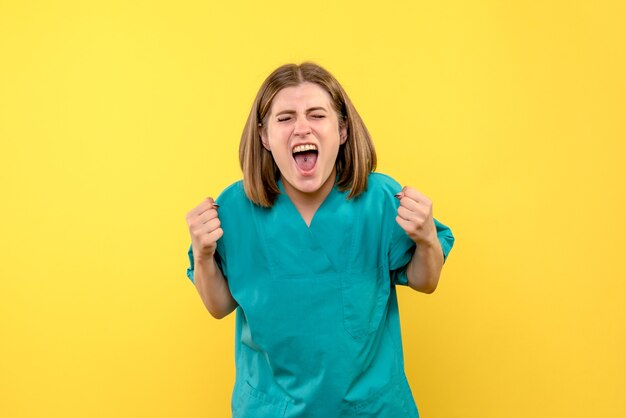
{"type": "Point", "coordinates": [305, 156]}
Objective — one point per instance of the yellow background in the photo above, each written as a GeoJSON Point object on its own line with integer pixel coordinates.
{"type": "Point", "coordinates": [117, 117]}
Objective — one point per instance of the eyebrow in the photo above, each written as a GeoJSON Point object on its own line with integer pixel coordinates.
{"type": "Point", "coordinates": [309, 110]}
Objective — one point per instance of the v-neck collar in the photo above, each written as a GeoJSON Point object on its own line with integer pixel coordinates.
{"type": "Point", "coordinates": [322, 247]}
{"type": "Point", "coordinates": [285, 199]}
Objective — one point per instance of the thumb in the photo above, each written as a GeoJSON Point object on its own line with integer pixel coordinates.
{"type": "Point", "coordinates": [400, 194]}
{"type": "Point", "coordinates": [212, 202]}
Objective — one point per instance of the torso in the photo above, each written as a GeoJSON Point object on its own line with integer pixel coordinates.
{"type": "Point", "coordinates": [318, 331]}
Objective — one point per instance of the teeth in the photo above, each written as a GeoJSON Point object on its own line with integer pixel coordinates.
{"type": "Point", "coordinates": [305, 147]}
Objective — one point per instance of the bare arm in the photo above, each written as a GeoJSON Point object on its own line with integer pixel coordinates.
{"type": "Point", "coordinates": [205, 229]}
{"type": "Point", "coordinates": [425, 267]}
{"type": "Point", "coordinates": [415, 216]}
{"type": "Point", "coordinates": [213, 288]}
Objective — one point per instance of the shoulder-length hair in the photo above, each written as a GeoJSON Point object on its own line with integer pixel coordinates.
{"type": "Point", "coordinates": [356, 157]}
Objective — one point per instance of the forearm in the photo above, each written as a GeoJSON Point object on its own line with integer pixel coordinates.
{"type": "Point", "coordinates": [425, 266]}
{"type": "Point", "coordinates": [213, 288]}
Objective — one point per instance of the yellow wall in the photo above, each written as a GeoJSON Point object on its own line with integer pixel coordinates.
{"type": "Point", "coordinates": [117, 117]}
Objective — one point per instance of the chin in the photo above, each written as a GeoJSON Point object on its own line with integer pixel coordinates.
{"type": "Point", "coordinates": [308, 185]}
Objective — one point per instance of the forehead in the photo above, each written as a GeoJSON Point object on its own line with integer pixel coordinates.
{"type": "Point", "coordinates": [302, 96]}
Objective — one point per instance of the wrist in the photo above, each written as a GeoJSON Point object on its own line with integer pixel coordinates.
{"type": "Point", "coordinates": [204, 259]}
{"type": "Point", "coordinates": [432, 241]}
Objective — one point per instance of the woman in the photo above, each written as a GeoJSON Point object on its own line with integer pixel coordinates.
{"type": "Point", "coordinates": [308, 248]}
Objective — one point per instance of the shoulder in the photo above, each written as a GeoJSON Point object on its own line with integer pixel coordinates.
{"type": "Point", "coordinates": [234, 203]}
{"type": "Point", "coordinates": [232, 194]}
{"type": "Point", "coordinates": [379, 197]}
{"type": "Point", "coordinates": [379, 183]}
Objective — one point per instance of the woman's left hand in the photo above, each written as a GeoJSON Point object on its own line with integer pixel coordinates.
{"type": "Point", "coordinates": [415, 216]}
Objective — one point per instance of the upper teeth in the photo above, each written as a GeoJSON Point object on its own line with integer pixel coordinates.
{"type": "Point", "coordinates": [305, 147]}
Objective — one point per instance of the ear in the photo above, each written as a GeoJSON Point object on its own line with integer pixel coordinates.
{"type": "Point", "coordinates": [264, 140]}
{"type": "Point", "coordinates": [343, 133]}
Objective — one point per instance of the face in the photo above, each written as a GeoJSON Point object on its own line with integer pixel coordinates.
{"type": "Point", "coordinates": [302, 133]}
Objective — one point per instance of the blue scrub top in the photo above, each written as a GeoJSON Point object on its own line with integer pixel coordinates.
{"type": "Point", "coordinates": [317, 326]}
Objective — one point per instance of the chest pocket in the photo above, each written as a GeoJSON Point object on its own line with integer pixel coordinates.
{"type": "Point", "coordinates": [364, 301]}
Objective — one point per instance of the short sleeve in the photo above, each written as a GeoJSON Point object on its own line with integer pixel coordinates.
{"type": "Point", "coordinates": [231, 198]}
{"type": "Point", "coordinates": [402, 258]}
{"type": "Point", "coordinates": [191, 264]}
{"type": "Point", "coordinates": [401, 248]}
{"type": "Point", "coordinates": [219, 258]}
{"type": "Point", "coordinates": [446, 239]}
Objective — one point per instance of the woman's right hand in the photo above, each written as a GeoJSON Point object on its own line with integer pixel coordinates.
{"type": "Point", "coordinates": [204, 229]}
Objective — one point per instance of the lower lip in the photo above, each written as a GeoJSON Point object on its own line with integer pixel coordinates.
{"type": "Point", "coordinates": [308, 173]}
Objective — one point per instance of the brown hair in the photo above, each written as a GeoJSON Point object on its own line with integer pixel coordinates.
{"type": "Point", "coordinates": [356, 157]}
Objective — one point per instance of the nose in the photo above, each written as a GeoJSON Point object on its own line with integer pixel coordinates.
{"type": "Point", "coordinates": [302, 127]}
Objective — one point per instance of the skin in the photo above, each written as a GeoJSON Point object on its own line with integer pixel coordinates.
{"type": "Point", "coordinates": [415, 217]}
{"type": "Point", "coordinates": [205, 229]}
{"type": "Point", "coordinates": [304, 115]}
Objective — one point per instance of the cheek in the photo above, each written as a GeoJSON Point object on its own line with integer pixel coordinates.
{"type": "Point", "coordinates": [280, 134]}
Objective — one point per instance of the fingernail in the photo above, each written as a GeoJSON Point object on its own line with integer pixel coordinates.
{"type": "Point", "coordinates": [215, 205]}
{"type": "Point", "coordinates": [398, 196]}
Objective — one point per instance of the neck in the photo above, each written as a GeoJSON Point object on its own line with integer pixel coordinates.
{"type": "Point", "coordinates": [308, 203]}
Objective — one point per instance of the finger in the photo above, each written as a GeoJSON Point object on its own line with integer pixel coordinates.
{"type": "Point", "coordinates": [213, 224]}
{"type": "Point", "coordinates": [206, 216]}
{"type": "Point", "coordinates": [404, 224]}
{"type": "Point", "coordinates": [412, 205]}
{"type": "Point", "coordinates": [210, 240]}
{"type": "Point", "coordinates": [406, 214]}
{"type": "Point", "coordinates": [420, 209]}
{"type": "Point", "coordinates": [207, 228]}
{"type": "Point", "coordinates": [202, 207]}
{"type": "Point", "coordinates": [418, 217]}
{"type": "Point", "coordinates": [217, 234]}
{"type": "Point", "coordinates": [206, 204]}
{"type": "Point", "coordinates": [415, 195]}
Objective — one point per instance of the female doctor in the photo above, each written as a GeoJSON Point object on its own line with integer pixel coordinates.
{"type": "Point", "coordinates": [308, 249]}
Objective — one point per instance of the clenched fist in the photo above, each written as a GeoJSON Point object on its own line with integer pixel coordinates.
{"type": "Point", "coordinates": [204, 228]}
{"type": "Point", "coordinates": [415, 216]}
